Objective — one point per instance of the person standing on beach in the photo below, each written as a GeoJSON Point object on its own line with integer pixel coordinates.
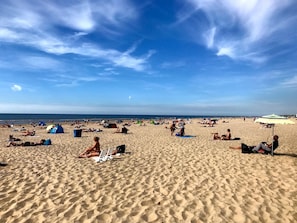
{"type": "Point", "coordinates": [93, 150]}
{"type": "Point", "coordinates": [181, 126]}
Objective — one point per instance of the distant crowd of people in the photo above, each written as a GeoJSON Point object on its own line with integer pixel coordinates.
{"type": "Point", "coordinates": [177, 128]}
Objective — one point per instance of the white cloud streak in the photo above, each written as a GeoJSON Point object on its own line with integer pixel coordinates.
{"type": "Point", "coordinates": [38, 62]}
{"type": "Point", "coordinates": [292, 82]}
{"type": "Point", "coordinates": [239, 29]}
{"type": "Point", "coordinates": [36, 24]}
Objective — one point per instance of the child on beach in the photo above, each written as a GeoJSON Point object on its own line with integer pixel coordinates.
{"type": "Point", "coordinates": [172, 127]}
{"type": "Point", "coordinates": [93, 150]}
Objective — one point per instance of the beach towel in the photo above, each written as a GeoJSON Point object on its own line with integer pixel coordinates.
{"type": "Point", "coordinates": [47, 142]}
{"type": "Point", "coordinates": [186, 136]}
{"type": "Point", "coordinates": [246, 149]}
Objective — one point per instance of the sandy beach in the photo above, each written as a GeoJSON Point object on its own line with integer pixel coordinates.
{"type": "Point", "coordinates": [162, 178]}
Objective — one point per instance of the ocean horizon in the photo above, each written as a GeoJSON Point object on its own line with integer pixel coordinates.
{"type": "Point", "coordinates": [22, 118]}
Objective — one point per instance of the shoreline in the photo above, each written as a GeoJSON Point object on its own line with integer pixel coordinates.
{"type": "Point", "coordinates": [22, 119]}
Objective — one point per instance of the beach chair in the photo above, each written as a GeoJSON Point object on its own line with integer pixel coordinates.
{"type": "Point", "coordinates": [102, 156]}
{"type": "Point", "coordinates": [109, 154]}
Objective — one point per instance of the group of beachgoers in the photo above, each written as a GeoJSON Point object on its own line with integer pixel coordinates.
{"type": "Point", "coordinates": [13, 141]}
{"type": "Point", "coordinates": [226, 136]}
{"type": "Point", "coordinates": [263, 147]}
{"type": "Point", "coordinates": [178, 125]}
{"type": "Point", "coordinates": [94, 150]}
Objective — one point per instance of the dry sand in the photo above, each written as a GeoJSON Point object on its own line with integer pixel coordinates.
{"type": "Point", "coordinates": [163, 179]}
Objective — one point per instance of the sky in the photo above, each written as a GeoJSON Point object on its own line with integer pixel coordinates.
{"type": "Point", "coordinates": [156, 57]}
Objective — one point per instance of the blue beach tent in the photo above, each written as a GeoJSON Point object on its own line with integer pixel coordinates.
{"type": "Point", "coordinates": [57, 129]}
{"type": "Point", "coordinates": [41, 123]}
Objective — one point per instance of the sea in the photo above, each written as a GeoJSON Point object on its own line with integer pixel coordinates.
{"type": "Point", "coordinates": [17, 118]}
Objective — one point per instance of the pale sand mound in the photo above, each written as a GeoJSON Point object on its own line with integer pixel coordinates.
{"type": "Point", "coordinates": [164, 179]}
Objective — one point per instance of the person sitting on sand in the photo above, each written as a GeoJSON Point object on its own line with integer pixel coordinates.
{"type": "Point", "coordinates": [93, 150]}
{"type": "Point", "coordinates": [12, 143]}
{"type": "Point", "coordinates": [223, 137]}
{"type": "Point", "coordinates": [216, 136]}
{"type": "Point", "coordinates": [262, 147]}
{"type": "Point", "coordinates": [227, 136]}
{"type": "Point", "coordinates": [124, 130]}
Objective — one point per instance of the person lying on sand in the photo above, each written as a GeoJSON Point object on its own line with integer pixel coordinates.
{"type": "Point", "coordinates": [262, 147]}
{"type": "Point", "coordinates": [93, 150]}
{"type": "Point", "coordinates": [92, 130]}
{"type": "Point", "coordinates": [29, 133]}
{"type": "Point", "coordinates": [12, 143]}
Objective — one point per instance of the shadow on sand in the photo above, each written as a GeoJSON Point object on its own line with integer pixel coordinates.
{"type": "Point", "coordinates": [286, 154]}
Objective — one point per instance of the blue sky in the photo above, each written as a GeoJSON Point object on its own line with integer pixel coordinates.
{"type": "Point", "coordinates": [170, 57]}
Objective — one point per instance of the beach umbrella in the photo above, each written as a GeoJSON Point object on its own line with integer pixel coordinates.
{"type": "Point", "coordinates": [274, 119]}
{"type": "Point", "coordinates": [48, 129]}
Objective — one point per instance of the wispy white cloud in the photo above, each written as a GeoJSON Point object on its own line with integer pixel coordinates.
{"type": "Point", "coordinates": [37, 24]}
{"type": "Point", "coordinates": [173, 64]}
{"type": "Point", "coordinates": [16, 87]}
{"type": "Point", "coordinates": [226, 51]}
{"type": "Point", "coordinates": [209, 37]}
{"type": "Point", "coordinates": [46, 108]}
{"type": "Point", "coordinates": [240, 29]}
{"type": "Point", "coordinates": [9, 35]}
{"type": "Point", "coordinates": [39, 62]}
{"type": "Point", "coordinates": [291, 82]}
{"type": "Point", "coordinates": [76, 16]}
{"type": "Point", "coordinates": [71, 80]}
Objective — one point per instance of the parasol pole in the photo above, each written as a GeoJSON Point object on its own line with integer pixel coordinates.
{"type": "Point", "coordinates": [272, 140]}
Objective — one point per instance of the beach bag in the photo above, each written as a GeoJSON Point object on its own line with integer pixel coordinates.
{"type": "Point", "coordinates": [124, 130]}
{"type": "Point", "coordinates": [27, 144]}
{"type": "Point", "coordinates": [47, 142]}
{"type": "Point", "coordinates": [121, 149]}
{"type": "Point", "coordinates": [245, 148]}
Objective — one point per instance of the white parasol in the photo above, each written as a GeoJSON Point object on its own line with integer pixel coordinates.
{"type": "Point", "coordinates": [274, 119]}
{"type": "Point", "coordinates": [48, 129]}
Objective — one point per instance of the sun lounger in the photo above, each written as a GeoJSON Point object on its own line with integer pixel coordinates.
{"type": "Point", "coordinates": [109, 154]}
{"type": "Point", "coordinates": [102, 156]}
